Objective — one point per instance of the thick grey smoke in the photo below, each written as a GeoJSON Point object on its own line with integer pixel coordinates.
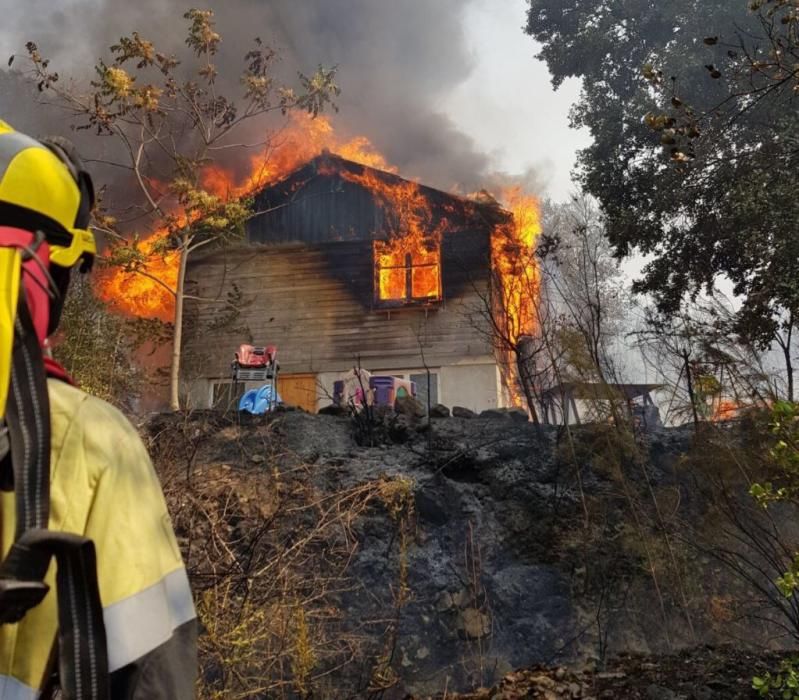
{"type": "Point", "coordinates": [397, 59]}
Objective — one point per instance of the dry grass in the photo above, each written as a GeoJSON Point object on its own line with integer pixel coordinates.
{"type": "Point", "coordinates": [269, 556]}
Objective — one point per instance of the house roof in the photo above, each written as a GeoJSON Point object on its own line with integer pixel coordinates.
{"type": "Point", "coordinates": [323, 201]}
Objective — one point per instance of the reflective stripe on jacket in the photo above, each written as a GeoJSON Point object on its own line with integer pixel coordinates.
{"type": "Point", "coordinates": [104, 487]}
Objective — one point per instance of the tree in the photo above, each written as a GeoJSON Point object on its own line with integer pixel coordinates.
{"type": "Point", "coordinates": [705, 193]}
{"type": "Point", "coordinates": [95, 346]}
{"type": "Point", "coordinates": [170, 123]}
{"type": "Point", "coordinates": [552, 309]}
{"type": "Point", "coordinates": [584, 281]}
{"type": "Point", "coordinates": [511, 311]}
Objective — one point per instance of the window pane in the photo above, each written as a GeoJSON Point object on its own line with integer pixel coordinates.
{"type": "Point", "coordinates": [223, 396]}
{"type": "Point", "coordinates": [421, 388]}
{"type": "Point", "coordinates": [423, 256]}
{"type": "Point", "coordinates": [405, 274]}
{"type": "Point", "coordinates": [392, 283]}
{"type": "Point", "coordinates": [424, 281]}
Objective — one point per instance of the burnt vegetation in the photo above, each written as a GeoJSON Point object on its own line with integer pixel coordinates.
{"type": "Point", "coordinates": [322, 567]}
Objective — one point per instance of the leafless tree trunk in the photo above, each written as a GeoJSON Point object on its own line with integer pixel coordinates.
{"type": "Point", "coordinates": [785, 344]}
{"type": "Point", "coordinates": [174, 370]}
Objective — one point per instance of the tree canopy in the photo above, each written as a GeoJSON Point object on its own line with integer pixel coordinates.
{"type": "Point", "coordinates": [693, 154]}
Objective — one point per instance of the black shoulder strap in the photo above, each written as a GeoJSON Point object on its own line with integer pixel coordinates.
{"type": "Point", "coordinates": [83, 654]}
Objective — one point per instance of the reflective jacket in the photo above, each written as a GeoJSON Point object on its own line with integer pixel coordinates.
{"type": "Point", "coordinates": [103, 486]}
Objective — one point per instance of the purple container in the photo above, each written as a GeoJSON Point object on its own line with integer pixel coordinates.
{"type": "Point", "coordinates": [387, 389]}
{"type": "Point", "coordinates": [338, 392]}
{"type": "Point", "coordinates": [383, 388]}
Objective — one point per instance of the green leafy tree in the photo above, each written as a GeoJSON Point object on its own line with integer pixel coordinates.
{"type": "Point", "coordinates": [95, 346]}
{"type": "Point", "coordinates": [783, 488]}
{"type": "Point", "coordinates": [691, 158]}
{"type": "Point", "coordinates": [783, 685]}
{"type": "Point", "coordinates": [169, 122]}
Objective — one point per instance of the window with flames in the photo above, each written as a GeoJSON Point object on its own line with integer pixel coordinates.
{"type": "Point", "coordinates": [406, 276]}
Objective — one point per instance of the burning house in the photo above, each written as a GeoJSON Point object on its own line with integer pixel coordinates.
{"type": "Point", "coordinates": [347, 265]}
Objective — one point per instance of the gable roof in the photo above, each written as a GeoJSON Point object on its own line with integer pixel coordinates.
{"type": "Point", "coordinates": [323, 201]}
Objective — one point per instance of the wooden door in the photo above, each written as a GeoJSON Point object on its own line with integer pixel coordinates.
{"type": "Point", "coordinates": [298, 390]}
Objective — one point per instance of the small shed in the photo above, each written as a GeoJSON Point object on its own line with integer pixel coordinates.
{"type": "Point", "coordinates": [559, 404]}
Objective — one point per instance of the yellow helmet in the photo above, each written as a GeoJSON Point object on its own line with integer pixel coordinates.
{"type": "Point", "coordinates": [44, 188]}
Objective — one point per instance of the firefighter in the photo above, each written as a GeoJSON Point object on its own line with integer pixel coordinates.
{"type": "Point", "coordinates": [94, 597]}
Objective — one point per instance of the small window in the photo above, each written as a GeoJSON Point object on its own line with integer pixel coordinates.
{"type": "Point", "coordinates": [223, 397]}
{"type": "Point", "coordinates": [405, 277]}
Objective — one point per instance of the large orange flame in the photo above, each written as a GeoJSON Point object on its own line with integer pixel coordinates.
{"type": "Point", "coordinates": [516, 285]}
{"type": "Point", "coordinates": [408, 262]}
{"type": "Point", "coordinates": [147, 295]}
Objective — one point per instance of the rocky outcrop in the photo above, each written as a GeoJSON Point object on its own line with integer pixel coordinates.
{"type": "Point", "coordinates": [409, 406]}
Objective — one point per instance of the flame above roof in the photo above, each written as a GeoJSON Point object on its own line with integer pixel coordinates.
{"type": "Point", "coordinates": [325, 200]}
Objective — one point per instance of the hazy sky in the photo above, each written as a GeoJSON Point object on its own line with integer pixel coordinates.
{"type": "Point", "coordinates": [508, 106]}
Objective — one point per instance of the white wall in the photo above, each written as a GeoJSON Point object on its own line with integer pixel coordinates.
{"type": "Point", "coordinates": [476, 386]}
{"type": "Point", "coordinates": [473, 386]}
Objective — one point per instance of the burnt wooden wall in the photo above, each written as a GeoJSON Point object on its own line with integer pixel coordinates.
{"type": "Point", "coordinates": [318, 204]}
{"type": "Point", "coordinates": [316, 304]}
{"type": "Point", "coordinates": [325, 208]}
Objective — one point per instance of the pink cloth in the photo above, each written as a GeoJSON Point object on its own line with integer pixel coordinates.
{"type": "Point", "coordinates": [36, 284]}
{"type": "Point", "coordinates": [34, 276]}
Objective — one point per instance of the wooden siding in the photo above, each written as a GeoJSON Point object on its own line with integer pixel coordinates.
{"type": "Point", "coordinates": [315, 304]}
{"type": "Point", "coordinates": [326, 208]}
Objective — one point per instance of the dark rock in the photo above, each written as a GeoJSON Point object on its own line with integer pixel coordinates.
{"type": "Point", "coordinates": [461, 412]}
{"type": "Point", "coordinates": [658, 692]}
{"type": "Point", "coordinates": [518, 414]}
{"type": "Point", "coordinates": [399, 427]}
{"type": "Point", "coordinates": [445, 603]}
{"type": "Point", "coordinates": [496, 547]}
{"type": "Point", "coordinates": [431, 508]}
{"type": "Point", "coordinates": [333, 410]}
{"type": "Point", "coordinates": [409, 406]}
{"type": "Point", "coordinates": [495, 413]}
{"type": "Point", "coordinates": [439, 411]}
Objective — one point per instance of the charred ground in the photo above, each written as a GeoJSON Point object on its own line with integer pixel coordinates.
{"type": "Point", "coordinates": [446, 556]}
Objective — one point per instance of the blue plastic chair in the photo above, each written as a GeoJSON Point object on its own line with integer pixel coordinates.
{"type": "Point", "coordinates": [259, 401]}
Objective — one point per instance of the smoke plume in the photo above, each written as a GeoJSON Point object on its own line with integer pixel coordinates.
{"type": "Point", "coordinates": [396, 61]}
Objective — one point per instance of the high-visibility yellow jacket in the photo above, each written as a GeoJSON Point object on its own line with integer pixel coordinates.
{"type": "Point", "coordinates": [103, 486]}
